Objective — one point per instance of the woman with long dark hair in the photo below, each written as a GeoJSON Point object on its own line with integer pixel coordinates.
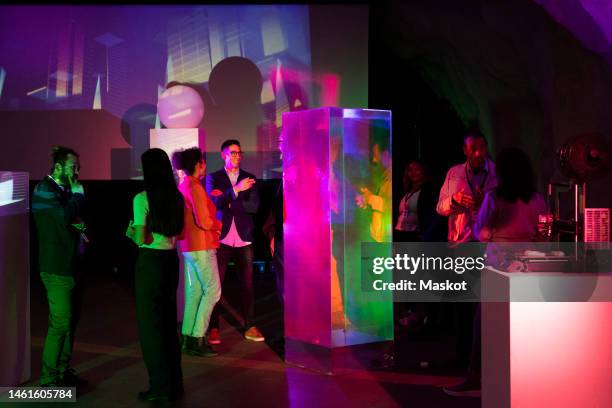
{"type": "Point", "coordinates": [198, 244]}
{"type": "Point", "coordinates": [510, 212]}
{"type": "Point", "coordinates": [158, 219]}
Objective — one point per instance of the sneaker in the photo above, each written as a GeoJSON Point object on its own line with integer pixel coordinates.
{"type": "Point", "coordinates": [470, 387]}
{"type": "Point", "coordinates": [213, 336]}
{"type": "Point", "coordinates": [254, 335]}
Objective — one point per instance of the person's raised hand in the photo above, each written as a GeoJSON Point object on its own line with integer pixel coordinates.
{"type": "Point", "coordinates": [464, 200]}
{"type": "Point", "coordinates": [244, 184]}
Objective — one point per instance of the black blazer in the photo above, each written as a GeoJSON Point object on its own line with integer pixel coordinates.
{"type": "Point", "coordinates": [54, 211]}
{"type": "Point", "coordinates": [240, 209]}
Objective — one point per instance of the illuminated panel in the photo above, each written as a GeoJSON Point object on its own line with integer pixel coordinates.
{"type": "Point", "coordinates": [561, 354]}
{"type": "Point", "coordinates": [552, 350]}
{"type": "Point", "coordinates": [327, 162]}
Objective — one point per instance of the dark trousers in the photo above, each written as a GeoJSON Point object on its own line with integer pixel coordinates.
{"type": "Point", "coordinates": [474, 368]}
{"type": "Point", "coordinates": [469, 336]}
{"type": "Point", "coordinates": [156, 284]}
{"type": "Point", "coordinates": [57, 349]}
{"type": "Point", "coordinates": [243, 258]}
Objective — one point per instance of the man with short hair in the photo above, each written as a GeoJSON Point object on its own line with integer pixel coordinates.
{"type": "Point", "coordinates": [460, 199]}
{"type": "Point", "coordinates": [57, 204]}
{"type": "Point", "coordinates": [235, 195]}
{"type": "Point", "coordinates": [464, 188]}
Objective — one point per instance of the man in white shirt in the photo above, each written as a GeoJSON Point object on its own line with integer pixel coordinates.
{"type": "Point", "coordinates": [464, 189]}
{"type": "Point", "coordinates": [460, 200]}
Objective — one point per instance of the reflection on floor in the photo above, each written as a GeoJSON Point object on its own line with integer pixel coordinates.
{"type": "Point", "coordinates": [107, 354]}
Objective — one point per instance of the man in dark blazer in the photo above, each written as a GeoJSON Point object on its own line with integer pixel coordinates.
{"type": "Point", "coordinates": [57, 204]}
{"type": "Point", "coordinates": [235, 195]}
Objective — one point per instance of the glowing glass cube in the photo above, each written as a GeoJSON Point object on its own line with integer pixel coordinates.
{"type": "Point", "coordinates": [337, 195]}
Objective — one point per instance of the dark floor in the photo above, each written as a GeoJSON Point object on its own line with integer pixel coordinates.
{"type": "Point", "coordinates": [107, 354]}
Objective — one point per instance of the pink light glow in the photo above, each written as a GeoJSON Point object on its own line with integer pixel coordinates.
{"type": "Point", "coordinates": [561, 354]}
{"type": "Point", "coordinates": [330, 90]}
{"type": "Point", "coordinates": [293, 83]}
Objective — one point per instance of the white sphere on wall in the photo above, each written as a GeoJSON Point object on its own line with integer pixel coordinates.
{"type": "Point", "coordinates": [180, 107]}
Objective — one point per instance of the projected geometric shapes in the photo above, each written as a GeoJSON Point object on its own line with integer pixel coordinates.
{"type": "Point", "coordinates": [40, 93]}
{"type": "Point", "coordinates": [97, 102]}
{"type": "Point", "coordinates": [160, 90]}
{"type": "Point", "coordinates": [171, 140]}
{"type": "Point", "coordinates": [331, 157]}
{"type": "Point", "coordinates": [2, 79]}
{"type": "Point", "coordinates": [169, 71]}
{"type": "Point", "coordinates": [13, 189]}
{"type": "Point", "coordinates": [14, 280]}
{"type": "Point", "coordinates": [62, 75]}
{"type": "Point", "coordinates": [272, 33]}
{"type": "Point", "coordinates": [267, 93]}
{"type": "Point", "coordinates": [180, 107]}
{"type": "Point", "coordinates": [189, 46]}
{"type": "Point", "coordinates": [78, 62]}
{"type": "Point", "coordinates": [6, 192]}
{"type": "Point", "coordinates": [108, 40]}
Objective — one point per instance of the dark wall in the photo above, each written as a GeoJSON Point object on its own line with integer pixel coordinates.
{"type": "Point", "coordinates": [508, 67]}
{"type": "Point", "coordinates": [339, 43]}
{"type": "Point", "coordinates": [109, 210]}
{"type": "Point", "coordinates": [27, 138]}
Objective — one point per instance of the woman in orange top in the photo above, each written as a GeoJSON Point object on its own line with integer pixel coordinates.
{"type": "Point", "coordinates": [198, 244]}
